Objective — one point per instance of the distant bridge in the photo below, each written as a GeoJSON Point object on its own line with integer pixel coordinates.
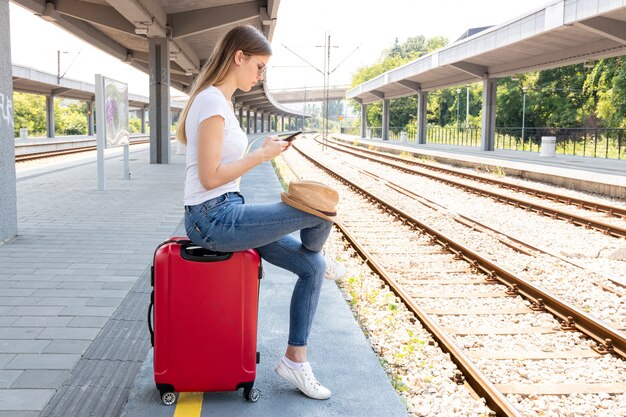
{"type": "Point", "coordinates": [301, 95]}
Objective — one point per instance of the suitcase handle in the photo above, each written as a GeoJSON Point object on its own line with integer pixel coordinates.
{"type": "Point", "coordinates": [195, 253]}
{"type": "Point", "coordinates": [150, 328]}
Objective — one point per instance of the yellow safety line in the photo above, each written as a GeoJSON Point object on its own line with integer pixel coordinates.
{"type": "Point", "coordinates": [189, 404]}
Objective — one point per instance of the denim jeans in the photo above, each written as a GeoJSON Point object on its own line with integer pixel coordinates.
{"type": "Point", "coordinates": [226, 224]}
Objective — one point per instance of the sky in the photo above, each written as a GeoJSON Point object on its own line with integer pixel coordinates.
{"type": "Point", "coordinates": [359, 29]}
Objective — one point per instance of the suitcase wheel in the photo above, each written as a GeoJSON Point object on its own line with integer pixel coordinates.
{"type": "Point", "coordinates": [168, 398]}
{"type": "Point", "coordinates": [251, 395]}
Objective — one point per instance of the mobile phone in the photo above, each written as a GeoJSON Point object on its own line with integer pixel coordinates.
{"type": "Point", "coordinates": [292, 136]}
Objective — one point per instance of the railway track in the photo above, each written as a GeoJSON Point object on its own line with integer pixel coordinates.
{"type": "Point", "coordinates": [615, 228]}
{"type": "Point", "coordinates": [458, 294]}
{"type": "Point", "coordinates": [50, 154]}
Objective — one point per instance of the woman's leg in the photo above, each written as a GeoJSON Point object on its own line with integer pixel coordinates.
{"type": "Point", "coordinates": [288, 253]}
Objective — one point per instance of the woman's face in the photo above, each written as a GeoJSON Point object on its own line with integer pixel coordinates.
{"type": "Point", "coordinates": [251, 70]}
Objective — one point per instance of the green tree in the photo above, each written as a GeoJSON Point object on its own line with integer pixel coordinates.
{"type": "Point", "coordinates": [29, 111]}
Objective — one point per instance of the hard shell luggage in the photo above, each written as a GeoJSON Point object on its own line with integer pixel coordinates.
{"type": "Point", "coordinates": [205, 319]}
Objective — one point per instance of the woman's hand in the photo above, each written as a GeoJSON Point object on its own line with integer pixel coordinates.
{"type": "Point", "coordinates": [271, 148]}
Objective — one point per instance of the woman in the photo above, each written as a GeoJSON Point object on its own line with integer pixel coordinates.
{"type": "Point", "coordinates": [215, 214]}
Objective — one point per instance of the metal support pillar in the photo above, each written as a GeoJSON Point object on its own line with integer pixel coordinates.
{"type": "Point", "coordinates": [8, 191]}
{"type": "Point", "coordinates": [241, 117]}
{"type": "Point", "coordinates": [248, 121]}
{"type": "Point", "coordinates": [488, 135]}
{"type": "Point", "coordinates": [50, 116]}
{"type": "Point", "coordinates": [363, 120]}
{"type": "Point", "coordinates": [386, 104]}
{"type": "Point", "coordinates": [422, 112]}
{"type": "Point", "coordinates": [159, 64]}
{"type": "Point", "coordinates": [90, 118]}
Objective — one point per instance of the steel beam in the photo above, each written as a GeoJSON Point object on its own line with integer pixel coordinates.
{"type": "Point", "coordinates": [203, 20]}
{"type": "Point", "coordinates": [612, 29]}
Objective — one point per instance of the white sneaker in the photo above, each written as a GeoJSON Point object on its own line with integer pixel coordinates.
{"type": "Point", "coordinates": [334, 270]}
{"type": "Point", "coordinates": [304, 380]}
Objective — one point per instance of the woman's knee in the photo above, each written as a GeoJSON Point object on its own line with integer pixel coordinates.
{"type": "Point", "coordinates": [314, 265]}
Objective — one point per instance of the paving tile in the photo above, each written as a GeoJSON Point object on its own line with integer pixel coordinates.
{"type": "Point", "coordinates": [118, 285]}
{"type": "Point", "coordinates": [5, 358]}
{"type": "Point", "coordinates": [36, 311]}
{"type": "Point", "coordinates": [40, 379]}
{"type": "Point", "coordinates": [81, 285]}
{"type": "Point", "coordinates": [68, 346]}
{"type": "Point", "coordinates": [8, 377]}
{"type": "Point", "coordinates": [87, 321]}
{"type": "Point", "coordinates": [24, 399]}
{"type": "Point", "coordinates": [77, 333]}
{"type": "Point", "coordinates": [88, 311]}
{"type": "Point", "coordinates": [17, 292]}
{"type": "Point", "coordinates": [18, 301]}
{"type": "Point", "coordinates": [43, 361]}
{"type": "Point", "coordinates": [57, 293]}
{"type": "Point", "coordinates": [42, 321]}
{"type": "Point", "coordinates": [31, 277]}
{"type": "Point", "coordinates": [105, 302]}
{"type": "Point", "coordinates": [63, 301]}
{"type": "Point", "coordinates": [15, 413]}
{"type": "Point", "coordinates": [19, 332]}
{"type": "Point", "coordinates": [23, 346]}
{"type": "Point", "coordinates": [53, 271]}
{"type": "Point", "coordinates": [117, 278]}
{"type": "Point", "coordinates": [8, 320]}
{"type": "Point", "coordinates": [35, 284]}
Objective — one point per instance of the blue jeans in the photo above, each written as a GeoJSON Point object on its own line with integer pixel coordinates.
{"type": "Point", "coordinates": [226, 224]}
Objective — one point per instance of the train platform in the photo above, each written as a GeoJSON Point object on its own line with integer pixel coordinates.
{"type": "Point", "coordinates": [595, 175]}
{"type": "Point", "coordinates": [74, 298]}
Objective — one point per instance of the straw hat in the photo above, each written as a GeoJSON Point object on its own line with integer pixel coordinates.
{"type": "Point", "coordinates": [313, 197]}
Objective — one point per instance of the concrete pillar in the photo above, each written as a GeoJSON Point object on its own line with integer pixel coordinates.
{"type": "Point", "coordinates": [488, 135]}
{"type": "Point", "coordinates": [241, 117]}
{"type": "Point", "coordinates": [248, 121]}
{"type": "Point", "coordinates": [386, 104]}
{"type": "Point", "coordinates": [363, 120]}
{"type": "Point", "coordinates": [90, 118]}
{"type": "Point", "coordinates": [143, 119]}
{"type": "Point", "coordinates": [422, 112]}
{"type": "Point", "coordinates": [282, 123]}
{"type": "Point", "coordinates": [8, 193]}
{"type": "Point", "coordinates": [50, 116]}
{"type": "Point", "coordinates": [262, 122]}
{"type": "Point", "coordinates": [159, 57]}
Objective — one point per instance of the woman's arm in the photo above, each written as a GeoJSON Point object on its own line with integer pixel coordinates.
{"type": "Point", "coordinates": [211, 171]}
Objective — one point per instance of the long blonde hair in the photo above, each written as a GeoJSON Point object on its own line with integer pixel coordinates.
{"type": "Point", "coordinates": [244, 38]}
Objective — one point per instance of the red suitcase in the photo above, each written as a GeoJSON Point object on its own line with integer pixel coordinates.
{"type": "Point", "coordinates": [205, 319]}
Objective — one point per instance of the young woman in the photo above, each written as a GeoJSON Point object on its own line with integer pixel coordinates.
{"type": "Point", "coordinates": [215, 214]}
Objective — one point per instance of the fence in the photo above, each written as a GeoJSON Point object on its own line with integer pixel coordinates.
{"type": "Point", "coordinates": [591, 142]}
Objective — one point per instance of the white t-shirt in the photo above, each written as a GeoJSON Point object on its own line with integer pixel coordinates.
{"type": "Point", "coordinates": [208, 103]}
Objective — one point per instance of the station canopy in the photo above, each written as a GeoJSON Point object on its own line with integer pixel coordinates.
{"type": "Point", "coordinates": [561, 33]}
{"type": "Point", "coordinates": [192, 28]}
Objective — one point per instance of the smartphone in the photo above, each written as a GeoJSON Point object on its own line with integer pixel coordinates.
{"type": "Point", "coordinates": [292, 136]}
